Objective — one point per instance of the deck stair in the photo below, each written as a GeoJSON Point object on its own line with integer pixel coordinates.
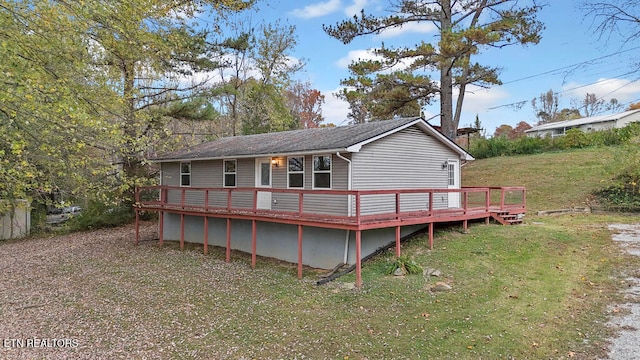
{"type": "Point", "coordinates": [506, 218]}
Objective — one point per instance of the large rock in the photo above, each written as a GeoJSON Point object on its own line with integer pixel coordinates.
{"type": "Point", "coordinates": [431, 272]}
{"type": "Point", "coordinates": [399, 272]}
{"type": "Point", "coordinates": [441, 286]}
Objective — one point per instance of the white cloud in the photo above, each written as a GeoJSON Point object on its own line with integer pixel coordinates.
{"type": "Point", "coordinates": [621, 89]}
{"type": "Point", "coordinates": [316, 10]}
{"type": "Point", "coordinates": [334, 110]}
{"type": "Point", "coordinates": [477, 99]}
{"type": "Point", "coordinates": [412, 27]}
{"type": "Point", "coordinates": [357, 55]}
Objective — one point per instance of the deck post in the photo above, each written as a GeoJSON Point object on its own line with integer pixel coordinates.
{"type": "Point", "coordinates": [465, 201]}
{"type": "Point", "coordinates": [161, 228]}
{"type": "Point", "coordinates": [181, 231]}
{"type": "Point", "coordinates": [358, 208]}
{"type": "Point", "coordinates": [465, 226]}
{"type": "Point", "coordinates": [300, 203]}
{"type": "Point", "coordinates": [206, 235]}
{"type": "Point", "coordinates": [430, 212]}
{"type": "Point", "coordinates": [228, 247]}
{"type": "Point", "coordinates": [431, 236]}
{"type": "Point", "coordinates": [299, 251]}
{"type": "Point", "coordinates": [253, 243]}
{"type": "Point", "coordinates": [487, 200]}
{"type": "Point", "coordinates": [358, 258]}
{"type": "Point", "coordinates": [398, 241]}
{"type": "Point", "coordinates": [487, 204]}
{"type": "Point", "coordinates": [137, 227]}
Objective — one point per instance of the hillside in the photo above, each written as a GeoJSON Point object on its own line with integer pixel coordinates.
{"type": "Point", "coordinates": [553, 180]}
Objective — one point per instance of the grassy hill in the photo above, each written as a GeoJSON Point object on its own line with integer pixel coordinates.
{"type": "Point", "coordinates": [553, 180]}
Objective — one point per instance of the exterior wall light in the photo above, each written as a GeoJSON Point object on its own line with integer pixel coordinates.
{"type": "Point", "coordinates": [275, 162]}
{"type": "Point", "coordinates": [444, 165]}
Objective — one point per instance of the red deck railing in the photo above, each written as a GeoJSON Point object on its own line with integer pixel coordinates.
{"type": "Point", "coordinates": [363, 207]}
{"type": "Point", "coordinates": [366, 209]}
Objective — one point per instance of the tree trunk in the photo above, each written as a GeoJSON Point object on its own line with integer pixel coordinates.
{"type": "Point", "coordinates": [132, 167]}
{"type": "Point", "coordinates": [446, 79]}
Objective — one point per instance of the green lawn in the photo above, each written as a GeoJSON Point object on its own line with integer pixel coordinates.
{"type": "Point", "coordinates": [553, 180]}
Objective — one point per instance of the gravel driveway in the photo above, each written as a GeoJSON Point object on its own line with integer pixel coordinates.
{"type": "Point", "coordinates": [627, 345]}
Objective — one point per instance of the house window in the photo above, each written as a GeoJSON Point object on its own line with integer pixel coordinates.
{"type": "Point", "coordinates": [322, 171]}
{"type": "Point", "coordinates": [451, 174]}
{"type": "Point", "coordinates": [230, 171]}
{"type": "Point", "coordinates": [185, 174]}
{"type": "Point", "coordinates": [295, 171]}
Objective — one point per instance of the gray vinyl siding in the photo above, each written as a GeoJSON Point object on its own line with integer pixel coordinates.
{"type": "Point", "coordinates": [321, 203]}
{"type": "Point", "coordinates": [409, 159]}
{"type": "Point", "coordinates": [208, 174]}
{"type": "Point", "coordinates": [170, 174]}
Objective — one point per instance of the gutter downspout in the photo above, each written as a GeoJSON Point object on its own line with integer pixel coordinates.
{"type": "Point", "coordinates": [349, 206]}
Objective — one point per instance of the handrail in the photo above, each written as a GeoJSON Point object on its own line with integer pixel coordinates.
{"type": "Point", "coordinates": [467, 205]}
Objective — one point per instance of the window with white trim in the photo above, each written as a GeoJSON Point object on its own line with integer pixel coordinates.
{"type": "Point", "coordinates": [322, 171]}
{"type": "Point", "coordinates": [295, 172]}
{"type": "Point", "coordinates": [230, 172]}
{"type": "Point", "coordinates": [185, 173]}
{"type": "Point", "coordinates": [451, 174]}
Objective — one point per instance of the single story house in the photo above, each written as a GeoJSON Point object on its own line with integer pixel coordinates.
{"type": "Point", "coordinates": [588, 124]}
{"type": "Point", "coordinates": [353, 188]}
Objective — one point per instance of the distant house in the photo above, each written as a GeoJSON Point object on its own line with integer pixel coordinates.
{"type": "Point", "coordinates": [593, 123]}
{"type": "Point", "coordinates": [343, 191]}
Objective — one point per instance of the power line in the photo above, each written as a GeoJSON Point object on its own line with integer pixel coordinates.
{"type": "Point", "coordinates": [519, 104]}
{"type": "Point", "coordinates": [573, 66]}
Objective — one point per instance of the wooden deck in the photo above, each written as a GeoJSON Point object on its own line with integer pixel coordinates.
{"type": "Point", "coordinates": [501, 203]}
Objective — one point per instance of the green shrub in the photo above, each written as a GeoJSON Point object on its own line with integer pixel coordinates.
{"type": "Point", "coordinates": [529, 145]}
{"type": "Point", "coordinates": [486, 148]}
{"type": "Point", "coordinates": [574, 139]}
{"type": "Point", "coordinates": [623, 192]}
{"type": "Point", "coordinates": [38, 217]}
{"type": "Point", "coordinates": [405, 263]}
{"type": "Point", "coordinates": [605, 137]}
{"type": "Point", "coordinates": [98, 215]}
{"type": "Point", "coordinates": [629, 132]}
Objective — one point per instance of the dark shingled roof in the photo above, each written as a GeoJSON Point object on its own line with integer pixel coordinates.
{"type": "Point", "coordinates": [287, 142]}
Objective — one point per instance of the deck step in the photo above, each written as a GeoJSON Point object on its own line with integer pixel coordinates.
{"type": "Point", "coordinates": [506, 218]}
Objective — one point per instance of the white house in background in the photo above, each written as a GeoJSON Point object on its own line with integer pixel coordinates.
{"type": "Point", "coordinates": [593, 123]}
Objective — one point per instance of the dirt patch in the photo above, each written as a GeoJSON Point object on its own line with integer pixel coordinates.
{"type": "Point", "coordinates": [627, 345]}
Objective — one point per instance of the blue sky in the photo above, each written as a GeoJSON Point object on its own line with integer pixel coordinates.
{"type": "Point", "coordinates": [570, 59]}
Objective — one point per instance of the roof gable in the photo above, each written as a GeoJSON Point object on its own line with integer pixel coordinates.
{"type": "Point", "coordinates": [348, 138]}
